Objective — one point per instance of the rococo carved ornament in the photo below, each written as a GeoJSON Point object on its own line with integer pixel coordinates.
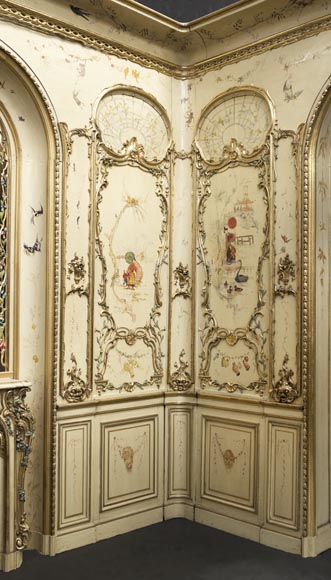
{"type": "Point", "coordinates": [132, 154]}
{"type": "Point", "coordinates": [76, 268]}
{"type": "Point", "coordinates": [285, 390]}
{"type": "Point", "coordinates": [75, 390]}
{"type": "Point", "coordinates": [180, 379]}
{"type": "Point", "coordinates": [182, 282]}
{"type": "Point", "coordinates": [286, 274]}
{"type": "Point", "coordinates": [19, 421]}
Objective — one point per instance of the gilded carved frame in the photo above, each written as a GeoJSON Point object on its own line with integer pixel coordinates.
{"type": "Point", "coordinates": [132, 154]}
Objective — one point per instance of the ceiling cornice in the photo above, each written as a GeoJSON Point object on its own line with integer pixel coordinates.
{"type": "Point", "coordinates": [130, 48]}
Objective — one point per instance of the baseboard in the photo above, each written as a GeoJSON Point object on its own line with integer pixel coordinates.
{"type": "Point", "coordinates": [249, 531]}
{"type": "Point", "coordinates": [179, 510]}
{"type": "Point", "coordinates": [102, 531]}
{"type": "Point", "coordinates": [12, 561]}
{"type": "Point", "coordinates": [42, 543]}
{"type": "Point", "coordinates": [281, 541]}
{"type": "Point", "coordinates": [230, 525]}
{"type": "Point", "coordinates": [314, 545]}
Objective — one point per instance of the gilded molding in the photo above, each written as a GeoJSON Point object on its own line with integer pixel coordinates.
{"type": "Point", "coordinates": [40, 22]}
{"type": "Point", "coordinates": [286, 271]}
{"type": "Point", "coordinates": [307, 308]}
{"type": "Point", "coordinates": [182, 282]}
{"type": "Point", "coordinates": [285, 391]}
{"type": "Point", "coordinates": [180, 379]}
{"type": "Point", "coordinates": [75, 389]}
{"type": "Point", "coordinates": [259, 47]}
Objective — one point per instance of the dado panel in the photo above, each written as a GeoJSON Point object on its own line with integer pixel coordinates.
{"type": "Point", "coordinates": [283, 475]}
{"type": "Point", "coordinates": [229, 464]}
{"type": "Point", "coordinates": [74, 473]}
{"type": "Point", "coordinates": [129, 466]}
{"type": "Point", "coordinates": [179, 452]}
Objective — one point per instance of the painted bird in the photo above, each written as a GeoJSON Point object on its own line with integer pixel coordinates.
{"type": "Point", "coordinates": [79, 11]}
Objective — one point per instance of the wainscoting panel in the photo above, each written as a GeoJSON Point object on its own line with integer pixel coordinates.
{"type": "Point", "coordinates": [74, 473]}
{"type": "Point", "coordinates": [229, 462]}
{"type": "Point", "coordinates": [129, 462]}
{"type": "Point", "coordinates": [283, 475]}
{"type": "Point", "coordinates": [179, 452]}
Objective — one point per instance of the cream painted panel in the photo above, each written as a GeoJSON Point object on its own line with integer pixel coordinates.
{"type": "Point", "coordinates": [286, 252]}
{"type": "Point", "coordinates": [229, 462]}
{"type": "Point", "coordinates": [323, 314]}
{"type": "Point", "coordinates": [129, 461]}
{"type": "Point", "coordinates": [179, 452]}
{"type": "Point", "coordinates": [286, 73]}
{"type": "Point", "coordinates": [74, 473]}
{"type": "Point", "coordinates": [283, 475]}
{"type": "Point", "coordinates": [76, 265]}
{"type": "Point", "coordinates": [84, 72]}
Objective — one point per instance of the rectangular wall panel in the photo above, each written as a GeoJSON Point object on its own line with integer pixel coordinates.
{"type": "Point", "coordinates": [179, 458]}
{"type": "Point", "coordinates": [283, 479]}
{"type": "Point", "coordinates": [229, 462]}
{"type": "Point", "coordinates": [129, 461]}
{"type": "Point", "coordinates": [74, 473]}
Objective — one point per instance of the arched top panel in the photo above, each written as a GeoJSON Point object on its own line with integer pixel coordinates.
{"type": "Point", "coordinates": [127, 116]}
{"type": "Point", "coordinates": [240, 118]}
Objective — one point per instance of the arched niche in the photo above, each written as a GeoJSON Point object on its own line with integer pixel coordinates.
{"type": "Point", "coordinates": [315, 319]}
{"type": "Point", "coordinates": [234, 196]}
{"type": "Point", "coordinates": [30, 124]}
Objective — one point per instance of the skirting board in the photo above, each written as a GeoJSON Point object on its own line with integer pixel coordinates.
{"type": "Point", "coordinates": [179, 510]}
{"type": "Point", "coordinates": [236, 527]}
{"type": "Point", "coordinates": [249, 531]}
{"type": "Point", "coordinates": [9, 562]}
{"type": "Point", "coordinates": [102, 531]}
{"type": "Point", "coordinates": [314, 545]}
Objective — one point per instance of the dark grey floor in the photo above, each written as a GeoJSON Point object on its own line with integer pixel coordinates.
{"type": "Point", "coordinates": [173, 550]}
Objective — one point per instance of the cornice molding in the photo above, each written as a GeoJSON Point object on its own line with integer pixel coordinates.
{"type": "Point", "coordinates": [49, 25]}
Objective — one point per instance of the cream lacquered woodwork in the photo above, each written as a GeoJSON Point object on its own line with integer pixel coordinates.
{"type": "Point", "coordinates": [173, 375]}
{"type": "Point", "coordinates": [74, 474]}
{"type": "Point", "coordinates": [284, 460]}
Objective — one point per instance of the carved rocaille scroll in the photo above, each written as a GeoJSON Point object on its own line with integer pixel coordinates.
{"type": "Point", "coordinates": [180, 379]}
{"type": "Point", "coordinates": [285, 276]}
{"type": "Point", "coordinates": [16, 421]}
{"type": "Point", "coordinates": [285, 390]}
{"type": "Point", "coordinates": [75, 389]}
{"type": "Point", "coordinates": [182, 280]}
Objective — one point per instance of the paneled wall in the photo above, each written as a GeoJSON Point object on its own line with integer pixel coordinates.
{"type": "Point", "coordinates": [176, 388]}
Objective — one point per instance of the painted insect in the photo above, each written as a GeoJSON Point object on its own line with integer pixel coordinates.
{"type": "Point", "coordinates": [32, 249]}
{"type": "Point", "coordinates": [36, 213]}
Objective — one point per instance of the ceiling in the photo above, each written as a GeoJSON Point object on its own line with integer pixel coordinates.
{"type": "Point", "coordinates": [186, 10]}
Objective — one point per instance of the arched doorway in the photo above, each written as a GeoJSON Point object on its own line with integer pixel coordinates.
{"type": "Point", "coordinates": [28, 120]}
{"type": "Point", "coordinates": [316, 321]}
